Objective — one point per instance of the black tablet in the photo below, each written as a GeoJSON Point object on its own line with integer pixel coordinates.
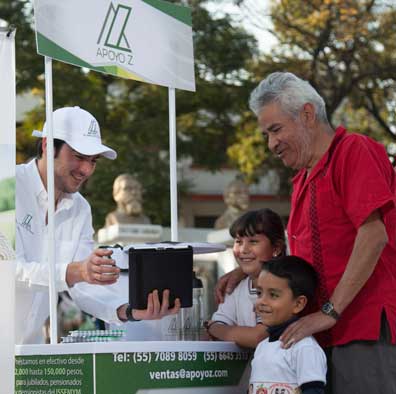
{"type": "Point", "coordinates": [167, 268]}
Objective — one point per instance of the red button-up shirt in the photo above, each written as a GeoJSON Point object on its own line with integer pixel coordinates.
{"type": "Point", "coordinates": [352, 180]}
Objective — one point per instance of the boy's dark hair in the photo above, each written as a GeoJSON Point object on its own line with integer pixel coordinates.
{"type": "Point", "coordinates": [261, 221]}
{"type": "Point", "coordinates": [57, 145]}
{"type": "Point", "coordinates": [301, 276]}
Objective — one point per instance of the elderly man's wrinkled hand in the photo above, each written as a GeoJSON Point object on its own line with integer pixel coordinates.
{"type": "Point", "coordinates": [306, 326]}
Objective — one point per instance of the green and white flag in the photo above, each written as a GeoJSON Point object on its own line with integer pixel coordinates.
{"type": "Point", "coordinates": [7, 209]}
{"type": "Point", "coordinates": [145, 40]}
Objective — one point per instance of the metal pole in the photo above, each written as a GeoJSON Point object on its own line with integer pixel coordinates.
{"type": "Point", "coordinates": [173, 180]}
{"type": "Point", "coordinates": [53, 294]}
{"type": "Point", "coordinates": [173, 163]}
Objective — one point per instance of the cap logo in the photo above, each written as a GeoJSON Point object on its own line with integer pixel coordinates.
{"type": "Point", "coordinates": [26, 223]}
{"type": "Point", "coordinates": [93, 129]}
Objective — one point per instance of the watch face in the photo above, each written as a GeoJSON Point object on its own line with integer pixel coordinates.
{"type": "Point", "coordinates": [327, 308]}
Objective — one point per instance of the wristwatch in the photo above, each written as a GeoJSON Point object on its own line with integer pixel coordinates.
{"type": "Point", "coordinates": [129, 314]}
{"type": "Point", "coordinates": [328, 309]}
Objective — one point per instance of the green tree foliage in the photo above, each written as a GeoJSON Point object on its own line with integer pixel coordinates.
{"type": "Point", "coordinates": [346, 50]}
{"type": "Point", "coordinates": [134, 116]}
{"type": "Point", "coordinates": [7, 194]}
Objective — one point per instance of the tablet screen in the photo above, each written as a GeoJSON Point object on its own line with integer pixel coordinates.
{"type": "Point", "coordinates": [168, 268]}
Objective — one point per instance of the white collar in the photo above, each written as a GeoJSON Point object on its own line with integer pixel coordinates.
{"type": "Point", "coordinates": [40, 192]}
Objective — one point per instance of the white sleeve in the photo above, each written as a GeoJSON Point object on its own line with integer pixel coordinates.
{"type": "Point", "coordinates": [309, 362]}
{"type": "Point", "coordinates": [226, 311]}
{"type": "Point", "coordinates": [85, 245]}
{"type": "Point", "coordinates": [100, 301]}
{"type": "Point", "coordinates": [33, 274]}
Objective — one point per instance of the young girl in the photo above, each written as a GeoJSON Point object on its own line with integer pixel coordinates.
{"type": "Point", "coordinates": [258, 237]}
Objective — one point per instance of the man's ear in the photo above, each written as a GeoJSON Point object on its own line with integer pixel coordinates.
{"type": "Point", "coordinates": [308, 114]}
{"type": "Point", "coordinates": [44, 145]}
{"type": "Point", "coordinates": [299, 304]}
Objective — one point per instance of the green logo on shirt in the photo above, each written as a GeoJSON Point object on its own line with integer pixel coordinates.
{"type": "Point", "coordinates": [26, 223]}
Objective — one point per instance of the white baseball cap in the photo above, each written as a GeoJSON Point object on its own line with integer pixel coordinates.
{"type": "Point", "coordinates": [80, 130]}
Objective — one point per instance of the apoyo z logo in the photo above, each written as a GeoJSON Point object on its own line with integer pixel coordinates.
{"type": "Point", "coordinates": [114, 45]}
{"type": "Point", "coordinates": [27, 223]}
{"type": "Point", "coordinates": [93, 129]}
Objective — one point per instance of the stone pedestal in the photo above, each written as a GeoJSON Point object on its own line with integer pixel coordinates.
{"type": "Point", "coordinates": [209, 267]}
{"type": "Point", "coordinates": [220, 237]}
{"type": "Point", "coordinates": [125, 234]}
{"type": "Point", "coordinates": [225, 261]}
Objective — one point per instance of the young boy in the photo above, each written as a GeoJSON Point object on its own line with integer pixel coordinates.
{"type": "Point", "coordinates": [258, 236]}
{"type": "Point", "coordinates": [285, 286]}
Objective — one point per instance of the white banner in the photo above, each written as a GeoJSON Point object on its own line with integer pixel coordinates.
{"type": "Point", "coordinates": [7, 209]}
{"type": "Point", "coordinates": [145, 40]}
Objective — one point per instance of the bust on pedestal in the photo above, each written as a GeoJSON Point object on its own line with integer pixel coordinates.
{"type": "Point", "coordinates": [236, 198]}
{"type": "Point", "coordinates": [127, 223]}
{"type": "Point", "coordinates": [127, 193]}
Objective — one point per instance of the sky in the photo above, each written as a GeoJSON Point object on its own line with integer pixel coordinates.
{"type": "Point", "coordinates": [265, 39]}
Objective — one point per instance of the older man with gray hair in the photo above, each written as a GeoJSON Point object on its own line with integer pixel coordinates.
{"type": "Point", "coordinates": [342, 220]}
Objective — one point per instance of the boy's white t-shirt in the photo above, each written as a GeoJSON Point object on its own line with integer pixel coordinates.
{"type": "Point", "coordinates": [282, 371]}
{"type": "Point", "coordinates": [238, 307]}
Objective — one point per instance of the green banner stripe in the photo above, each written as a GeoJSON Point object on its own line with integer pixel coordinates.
{"type": "Point", "coordinates": [182, 14]}
{"type": "Point", "coordinates": [49, 48]}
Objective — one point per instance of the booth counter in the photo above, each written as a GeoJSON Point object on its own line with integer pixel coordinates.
{"type": "Point", "coordinates": [132, 367]}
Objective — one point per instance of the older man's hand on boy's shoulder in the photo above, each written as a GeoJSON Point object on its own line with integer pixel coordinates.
{"type": "Point", "coordinates": [227, 283]}
{"type": "Point", "coordinates": [306, 326]}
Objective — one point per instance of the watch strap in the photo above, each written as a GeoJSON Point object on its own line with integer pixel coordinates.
{"type": "Point", "coordinates": [328, 309]}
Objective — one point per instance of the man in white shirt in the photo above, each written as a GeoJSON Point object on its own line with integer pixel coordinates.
{"type": "Point", "coordinates": [77, 147]}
